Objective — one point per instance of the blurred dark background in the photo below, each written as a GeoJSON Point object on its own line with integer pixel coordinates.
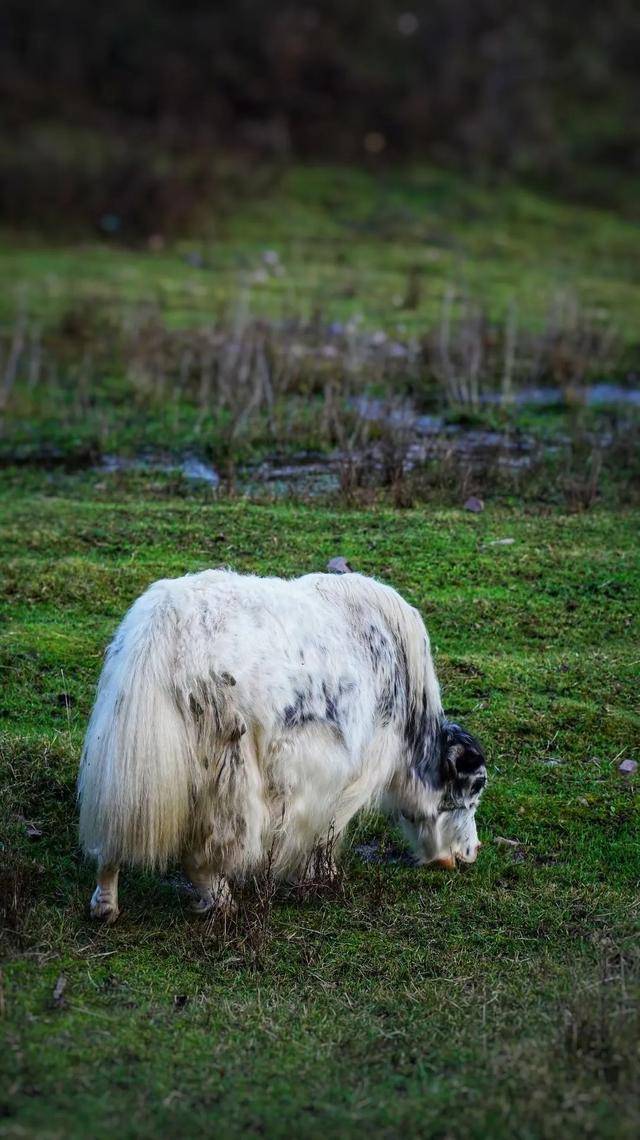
{"type": "Point", "coordinates": [128, 108]}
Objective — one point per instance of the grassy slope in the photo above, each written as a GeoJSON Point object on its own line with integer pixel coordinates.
{"type": "Point", "coordinates": [348, 242]}
{"type": "Point", "coordinates": [484, 1002]}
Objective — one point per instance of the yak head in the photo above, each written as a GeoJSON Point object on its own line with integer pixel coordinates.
{"type": "Point", "coordinates": [447, 831]}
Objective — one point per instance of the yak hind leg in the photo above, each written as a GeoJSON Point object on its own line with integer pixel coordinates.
{"type": "Point", "coordinates": [104, 901]}
{"type": "Point", "coordinates": [211, 889]}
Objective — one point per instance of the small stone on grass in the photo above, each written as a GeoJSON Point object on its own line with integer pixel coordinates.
{"type": "Point", "coordinates": [339, 565]}
{"type": "Point", "coordinates": [32, 829]}
{"type": "Point", "coordinates": [58, 992]}
{"type": "Point", "coordinates": [474, 504]}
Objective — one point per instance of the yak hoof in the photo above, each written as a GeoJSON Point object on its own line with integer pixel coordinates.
{"type": "Point", "coordinates": [103, 906]}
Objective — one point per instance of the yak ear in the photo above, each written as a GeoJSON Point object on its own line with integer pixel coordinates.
{"type": "Point", "coordinates": [463, 759]}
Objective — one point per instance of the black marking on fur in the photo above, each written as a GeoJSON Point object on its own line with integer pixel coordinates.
{"type": "Point", "coordinates": [421, 724]}
{"type": "Point", "coordinates": [377, 644]}
{"type": "Point", "coordinates": [301, 711]}
{"type": "Point", "coordinates": [382, 654]}
{"type": "Point", "coordinates": [195, 708]}
{"type": "Point", "coordinates": [416, 719]}
{"type": "Point", "coordinates": [321, 706]}
{"type": "Point", "coordinates": [331, 708]}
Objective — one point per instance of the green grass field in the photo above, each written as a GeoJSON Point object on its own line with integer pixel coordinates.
{"type": "Point", "coordinates": [493, 1001]}
{"type": "Point", "coordinates": [111, 350]}
{"type": "Point", "coordinates": [348, 242]}
{"type": "Point", "coordinates": [498, 1000]}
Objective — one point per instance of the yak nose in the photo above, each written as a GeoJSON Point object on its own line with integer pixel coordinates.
{"type": "Point", "coordinates": [448, 862]}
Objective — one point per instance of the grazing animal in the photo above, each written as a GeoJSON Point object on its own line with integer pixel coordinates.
{"type": "Point", "coordinates": [240, 720]}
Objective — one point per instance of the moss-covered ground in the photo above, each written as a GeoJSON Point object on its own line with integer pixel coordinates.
{"type": "Point", "coordinates": [497, 1000]}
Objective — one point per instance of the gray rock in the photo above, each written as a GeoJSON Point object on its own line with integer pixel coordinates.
{"type": "Point", "coordinates": [474, 504]}
{"type": "Point", "coordinates": [339, 565]}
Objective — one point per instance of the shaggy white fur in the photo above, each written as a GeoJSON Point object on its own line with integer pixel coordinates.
{"type": "Point", "coordinates": [240, 718]}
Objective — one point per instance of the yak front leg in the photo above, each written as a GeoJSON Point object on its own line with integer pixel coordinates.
{"type": "Point", "coordinates": [104, 901]}
{"type": "Point", "coordinates": [211, 889]}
